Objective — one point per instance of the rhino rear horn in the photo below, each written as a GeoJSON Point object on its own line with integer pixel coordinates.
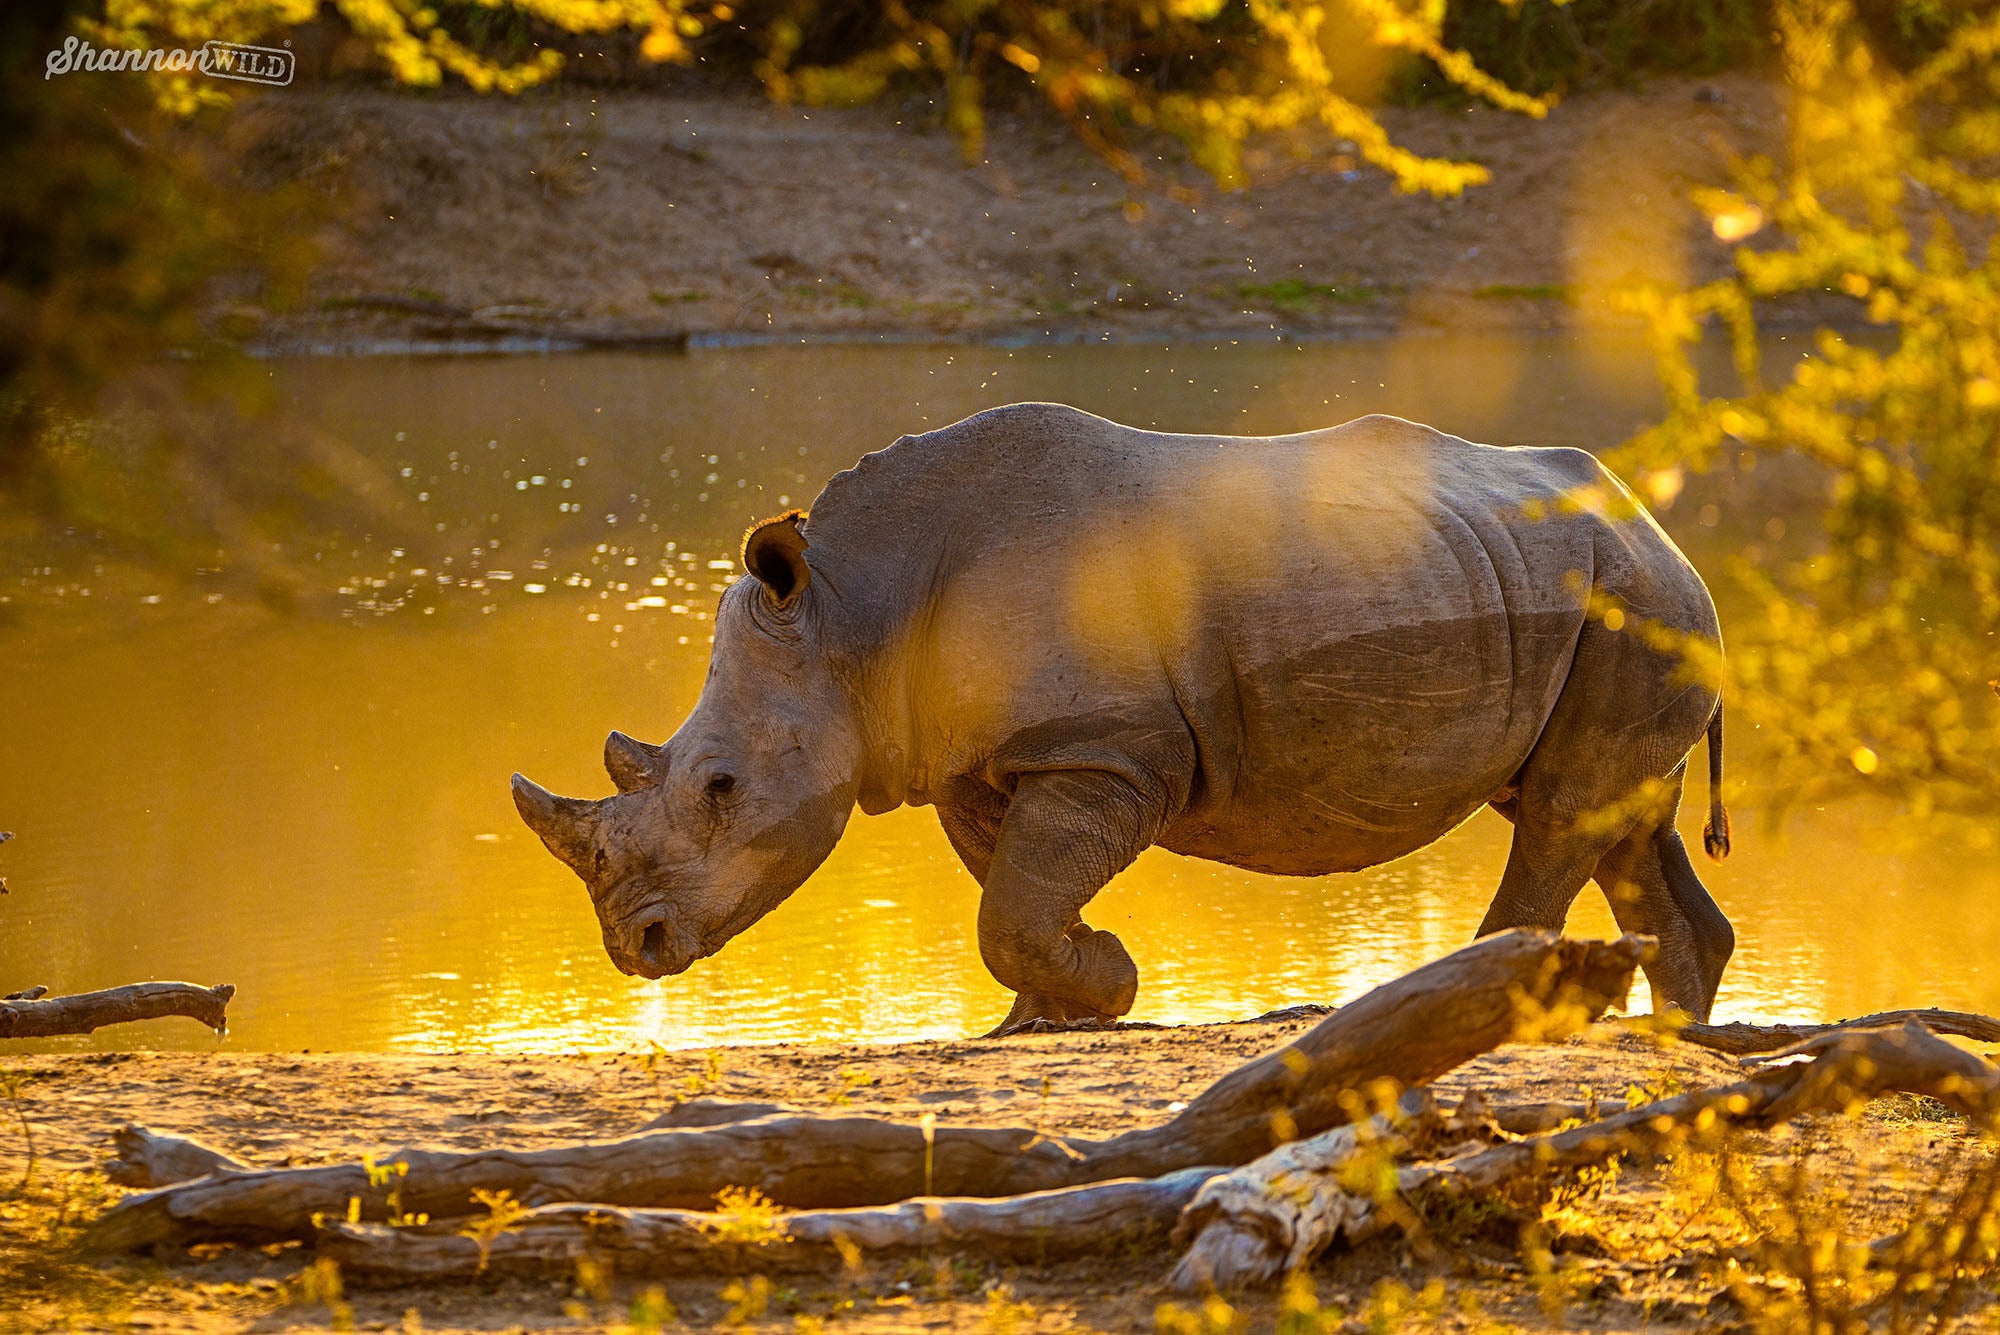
{"type": "Point", "coordinates": [630, 762]}
{"type": "Point", "coordinates": [565, 824]}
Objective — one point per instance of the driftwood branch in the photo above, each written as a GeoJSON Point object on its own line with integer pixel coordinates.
{"type": "Point", "coordinates": [23, 1016]}
{"type": "Point", "coordinates": [1279, 1212]}
{"type": "Point", "coordinates": [147, 1159]}
{"type": "Point", "coordinates": [1249, 1226]}
{"type": "Point", "coordinates": [1100, 1217]}
{"type": "Point", "coordinates": [1105, 1216]}
{"type": "Point", "coordinates": [1039, 1226]}
{"type": "Point", "coordinates": [1409, 1031]}
{"type": "Point", "coordinates": [1527, 1119]}
{"type": "Point", "coordinates": [1078, 1220]}
{"type": "Point", "coordinates": [1519, 1118]}
{"type": "Point", "coordinates": [1739, 1039]}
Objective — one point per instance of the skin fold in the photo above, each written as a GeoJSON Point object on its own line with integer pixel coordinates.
{"type": "Point", "coordinates": [1296, 654]}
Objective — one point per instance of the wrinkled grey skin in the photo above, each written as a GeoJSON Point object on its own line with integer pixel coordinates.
{"type": "Point", "coordinates": [1297, 654]}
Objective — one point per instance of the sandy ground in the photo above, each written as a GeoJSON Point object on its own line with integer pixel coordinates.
{"type": "Point", "coordinates": [1667, 1235]}
{"type": "Point", "coordinates": [651, 216]}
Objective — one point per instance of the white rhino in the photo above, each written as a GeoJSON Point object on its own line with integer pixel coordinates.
{"type": "Point", "coordinates": [1297, 654]}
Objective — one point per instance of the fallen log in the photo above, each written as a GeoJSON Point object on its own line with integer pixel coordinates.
{"type": "Point", "coordinates": [550, 1239]}
{"type": "Point", "coordinates": [1296, 1200]}
{"type": "Point", "coordinates": [1412, 1030]}
{"type": "Point", "coordinates": [1105, 1216]}
{"type": "Point", "coordinates": [1409, 1031]}
{"type": "Point", "coordinates": [1519, 1118]}
{"type": "Point", "coordinates": [1250, 1226]}
{"type": "Point", "coordinates": [1739, 1039]}
{"type": "Point", "coordinates": [1046, 1225]}
{"type": "Point", "coordinates": [82, 1012]}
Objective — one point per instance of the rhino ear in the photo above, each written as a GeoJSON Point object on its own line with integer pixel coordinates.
{"type": "Point", "coordinates": [629, 762]}
{"type": "Point", "coordinates": [775, 552]}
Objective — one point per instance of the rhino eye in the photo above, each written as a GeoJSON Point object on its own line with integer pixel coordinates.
{"type": "Point", "coordinates": [721, 785]}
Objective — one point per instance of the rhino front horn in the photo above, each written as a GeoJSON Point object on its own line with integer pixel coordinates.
{"type": "Point", "coordinates": [565, 824]}
{"type": "Point", "coordinates": [629, 762]}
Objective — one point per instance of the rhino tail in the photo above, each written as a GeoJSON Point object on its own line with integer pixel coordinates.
{"type": "Point", "coordinates": [1715, 834]}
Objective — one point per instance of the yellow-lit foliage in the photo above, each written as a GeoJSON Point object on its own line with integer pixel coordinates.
{"type": "Point", "coordinates": [409, 37]}
{"type": "Point", "coordinates": [502, 1211]}
{"type": "Point", "coordinates": [1805, 1261]}
{"type": "Point", "coordinates": [747, 1215]}
{"type": "Point", "coordinates": [1874, 655]}
{"type": "Point", "coordinates": [1211, 74]}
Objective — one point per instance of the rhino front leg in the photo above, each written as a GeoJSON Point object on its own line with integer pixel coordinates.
{"type": "Point", "coordinates": [1065, 834]}
{"type": "Point", "coordinates": [971, 816]}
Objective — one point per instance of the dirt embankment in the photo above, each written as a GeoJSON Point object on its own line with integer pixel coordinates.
{"type": "Point", "coordinates": [654, 216]}
{"type": "Point", "coordinates": [1640, 1249]}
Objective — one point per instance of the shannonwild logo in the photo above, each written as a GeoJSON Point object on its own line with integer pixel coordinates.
{"type": "Point", "coordinates": [218, 60]}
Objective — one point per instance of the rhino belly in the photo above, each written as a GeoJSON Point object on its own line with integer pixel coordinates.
{"type": "Point", "coordinates": [1268, 841]}
{"type": "Point", "coordinates": [1366, 747]}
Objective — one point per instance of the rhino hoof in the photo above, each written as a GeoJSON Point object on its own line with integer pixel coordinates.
{"type": "Point", "coordinates": [1036, 1013]}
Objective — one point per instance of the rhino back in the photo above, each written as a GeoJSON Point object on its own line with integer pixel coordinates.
{"type": "Point", "coordinates": [1324, 649]}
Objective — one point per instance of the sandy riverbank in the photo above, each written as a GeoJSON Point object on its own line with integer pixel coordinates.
{"type": "Point", "coordinates": [602, 216]}
{"type": "Point", "coordinates": [1642, 1251]}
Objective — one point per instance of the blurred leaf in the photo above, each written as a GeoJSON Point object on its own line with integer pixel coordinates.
{"type": "Point", "coordinates": [1869, 659]}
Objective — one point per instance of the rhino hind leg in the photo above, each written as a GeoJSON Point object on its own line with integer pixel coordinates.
{"type": "Point", "coordinates": [1646, 876]}
{"type": "Point", "coordinates": [1546, 868]}
{"type": "Point", "coordinates": [1653, 889]}
{"type": "Point", "coordinates": [1597, 796]}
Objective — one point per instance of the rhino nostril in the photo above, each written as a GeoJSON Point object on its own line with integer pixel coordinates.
{"type": "Point", "coordinates": [653, 943]}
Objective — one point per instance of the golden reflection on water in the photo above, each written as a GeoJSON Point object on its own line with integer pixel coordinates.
{"type": "Point", "coordinates": [316, 808]}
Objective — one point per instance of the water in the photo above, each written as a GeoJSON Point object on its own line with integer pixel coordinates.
{"type": "Point", "coordinates": [313, 805]}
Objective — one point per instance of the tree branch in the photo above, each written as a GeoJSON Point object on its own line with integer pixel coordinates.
{"type": "Point", "coordinates": [1740, 1039]}
{"type": "Point", "coordinates": [23, 1016]}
